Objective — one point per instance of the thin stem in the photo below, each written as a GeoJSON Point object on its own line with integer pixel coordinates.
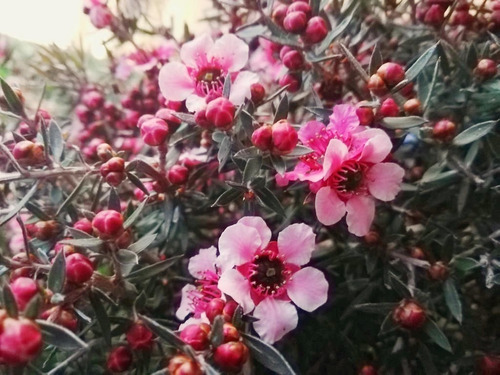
{"type": "Point", "coordinates": [43, 174]}
{"type": "Point", "coordinates": [14, 162]}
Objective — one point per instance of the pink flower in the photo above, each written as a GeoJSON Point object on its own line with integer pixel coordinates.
{"type": "Point", "coordinates": [204, 68]}
{"type": "Point", "coordinates": [346, 169]}
{"type": "Point", "coordinates": [266, 276]}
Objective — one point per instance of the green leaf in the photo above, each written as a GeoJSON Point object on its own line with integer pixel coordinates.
{"type": "Point", "coordinates": [299, 150]}
{"type": "Point", "coordinates": [163, 332]}
{"type": "Point", "coordinates": [33, 307]}
{"type": "Point", "coordinates": [474, 133]}
{"type": "Point", "coordinates": [247, 153]}
{"type": "Point", "coordinates": [402, 122]}
{"type": "Point", "coordinates": [228, 196]}
{"type": "Point", "coordinates": [252, 169]}
{"type": "Point", "coordinates": [267, 355]}
{"type": "Point", "coordinates": [466, 264]}
{"type": "Point", "coordinates": [398, 286]}
{"type": "Point", "coordinates": [217, 332]}
{"type": "Point", "coordinates": [414, 70]}
{"type": "Point", "coordinates": [56, 141]}
{"type": "Point", "coordinates": [142, 243]}
{"type": "Point", "coordinates": [101, 316]}
{"type": "Point", "coordinates": [355, 63]}
{"type": "Point", "coordinates": [437, 336]}
{"type": "Point", "coordinates": [282, 110]}
{"type": "Point", "coordinates": [57, 273]}
{"type": "Point", "coordinates": [135, 215]}
{"type": "Point", "coordinates": [5, 218]}
{"type": "Point", "coordinates": [83, 242]}
{"type": "Point", "coordinates": [60, 337]}
{"type": "Point", "coordinates": [376, 59]}
{"type": "Point", "coordinates": [426, 360]}
{"type": "Point", "coordinates": [376, 308]}
{"type": "Point", "coordinates": [152, 270]}
{"type": "Point", "coordinates": [269, 200]}
{"type": "Point", "coordinates": [9, 302]}
{"type": "Point", "coordinates": [137, 182]}
{"type": "Point", "coordinates": [114, 201]}
{"type": "Point", "coordinates": [452, 299]}
{"type": "Point", "coordinates": [226, 90]}
{"type": "Point", "coordinates": [13, 101]}
{"type": "Point", "coordinates": [279, 164]}
{"type": "Point", "coordinates": [224, 151]}
{"type": "Point", "coordinates": [127, 259]}
{"type": "Point", "coordinates": [247, 123]}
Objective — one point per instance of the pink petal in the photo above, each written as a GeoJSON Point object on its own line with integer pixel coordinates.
{"type": "Point", "coordinates": [276, 319]}
{"type": "Point", "coordinates": [238, 245]}
{"type": "Point", "coordinates": [195, 103]}
{"type": "Point", "coordinates": [344, 119]}
{"type": "Point", "coordinates": [329, 208]}
{"type": "Point", "coordinates": [234, 284]}
{"type": "Point", "coordinates": [296, 243]}
{"type": "Point", "coordinates": [240, 88]}
{"type": "Point", "coordinates": [360, 214]}
{"type": "Point", "coordinates": [175, 82]}
{"type": "Point", "coordinates": [185, 308]}
{"type": "Point", "coordinates": [195, 53]}
{"type": "Point", "coordinates": [203, 261]}
{"type": "Point", "coordinates": [377, 145]}
{"type": "Point", "coordinates": [308, 288]}
{"type": "Point", "coordinates": [202, 319]}
{"type": "Point", "coordinates": [230, 52]}
{"type": "Point", "coordinates": [335, 155]}
{"type": "Point", "coordinates": [260, 225]}
{"type": "Point", "coordinates": [384, 180]}
{"type": "Point", "coordinates": [310, 130]}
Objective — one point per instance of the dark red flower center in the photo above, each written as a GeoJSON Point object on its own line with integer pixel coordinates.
{"type": "Point", "coordinates": [210, 79]}
{"type": "Point", "coordinates": [349, 178]}
{"type": "Point", "coordinates": [269, 273]}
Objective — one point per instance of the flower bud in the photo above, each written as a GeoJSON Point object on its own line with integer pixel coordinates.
{"type": "Point", "coordinates": [367, 370]}
{"type": "Point", "coordinates": [154, 132]}
{"type": "Point", "coordinates": [167, 115]}
{"type": "Point", "coordinates": [438, 271]}
{"type": "Point", "coordinates": [485, 69]}
{"type": "Point", "coordinates": [257, 92]}
{"type": "Point", "coordinates": [214, 308]}
{"type": "Point", "coordinates": [220, 113]}
{"type": "Point", "coordinates": [417, 253]}
{"type": "Point", "coordinates": [391, 73]}
{"type": "Point", "coordinates": [231, 356]}
{"type": "Point", "coordinates": [79, 268]}
{"type": "Point", "coordinates": [44, 230]}
{"type": "Point", "coordinates": [284, 137]}
{"type": "Point", "coordinates": [444, 130]}
{"type": "Point", "coordinates": [372, 237]}
{"type": "Point", "coordinates": [377, 85]}
{"type": "Point", "coordinates": [64, 317]}
{"type": "Point", "coordinates": [293, 80]}
{"type": "Point", "coordinates": [139, 337]}
{"type": "Point", "coordinates": [196, 335]}
{"type": "Point", "coordinates": [93, 99]}
{"type": "Point", "coordinates": [295, 22]}
{"type": "Point", "coordinates": [104, 152]}
{"type": "Point", "coordinates": [181, 364]}
{"type": "Point", "coordinates": [293, 60]}
{"type": "Point", "coordinates": [228, 311]}
{"type": "Point", "coordinates": [23, 289]}
{"type": "Point", "coordinates": [85, 225]}
{"type": "Point", "coordinates": [119, 359]}
{"type": "Point", "coordinates": [100, 16]}
{"type": "Point", "coordinates": [434, 15]}
{"type": "Point", "coordinates": [412, 107]}
{"type": "Point", "coordinates": [108, 224]}
{"type": "Point", "coordinates": [143, 119]}
{"type": "Point", "coordinates": [300, 6]}
{"type": "Point", "coordinates": [389, 108]}
{"type": "Point", "coordinates": [489, 365]}
{"type": "Point", "coordinates": [20, 341]}
{"type": "Point", "coordinates": [178, 174]}
{"type": "Point", "coordinates": [262, 137]}
{"type": "Point", "coordinates": [316, 30]}
{"type": "Point", "coordinates": [279, 14]}
{"type": "Point", "coordinates": [365, 115]}
{"type": "Point", "coordinates": [28, 153]}
{"type": "Point", "coordinates": [409, 315]}
{"type": "Point", "coordinates": [230, 333]}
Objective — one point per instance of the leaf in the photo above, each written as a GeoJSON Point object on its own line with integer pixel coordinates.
{"type": "Point", "coordinates": [268, 198]}
{"type": "Point", "coordinates": [437, 336]}
{"type": "Point", "coordinates": [114, 201]}
{"type": "Point", "coordinates": [403, 122]}
{"type": "Point", "coordinates": [217, 332]}
{"type": "Point", "coordinates": [355, 63]}
{"type": "Point", "coordinates": [73, 194]}
{"type": "Point", "coordinates": [474, 133]}
{"type": "Point", "coordinates": [185, 117]}
{"type": "Point", "coordinates": [135, 215]}
{"type": "Point", "coordinates": [267, 355]}
{"type": "Point", "coordinates": [143, 167]}
{"type": "Point", "coordinates": [315, 6]}
{"type": "Point", "coordinates": [56, 141]}
{"type": "Point", "coordinates": [427, 361]}
{"type": "Point", "coordinates": [223, 153]}
{"type": "Point", "coordinates": [414, 70]}
{"type": "Point", "coordinates": [9, 302]}
{"type": "Point", "coordinates": [252, 169]}
{"type": "Point", "coordinates": [337, 30]}
{"type": "Point", "coordinates": [102, 317]}
{"type": "Point", "coordinates": [375, 60]}
{"type": "Point", "coordinates": [13, 101]}
{"type": "Point", "coordinates": [57, 273]}
{"type": "Point", "coordinates": [5, 218]}
{"type": "Point", "coordinates": [60, 337]}
{"type": "Point", "coordinates": [127, 259]}
{"type": "Point", "coordinates": [137, 182]}
{"type": "Point", "coordinates": [163, 332]}
{"type": "Point", "coordinates": [228, 196]}
{"type": "Point", "coordinates": [142, 243]}
{"type": "Point", "coordinates": [278, 164]}
{"type": "Point", "coordinates": [466, 264]}
{"type": "Point", "coordinates": [83, 242]}
{"type": "Point", "coordinates": [226, 90]}
{"type": "Point", "coordinates": [152, 270]}
{"type": "Point", "coordinates": [376, 308]}
{"type": "Point", "coordinates": [299, 150]}
{"type": "Point", "coordinates": [282, 110]}
{"type": "Point", "coordinates": [33, 308]}
{"type": "Point", "coordinates": [452, 299]}
{"type": "Point", "coordinates": [247, 153]}
{"type": "Point", "coordinates": [247, 123]}
{"type": "Point", "coordinates": [398, 286]}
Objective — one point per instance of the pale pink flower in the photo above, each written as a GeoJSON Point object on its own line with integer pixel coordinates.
{"type": "Point", "coordinates": [203, 70]}
{"type": "Point", "coordinates": [265, 276]}
{"type": "Point", "coordinates": [346, 169]}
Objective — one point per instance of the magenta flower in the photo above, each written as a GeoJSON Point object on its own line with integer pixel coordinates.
{"type": "Point", "coordinates": [346, 169]}
{"type": "Point", "coordinates": [266, 276]}
{"type": "Point", "coordinates": [204, 68]}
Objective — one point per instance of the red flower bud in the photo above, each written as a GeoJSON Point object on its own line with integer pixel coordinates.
{"type": "Point", "coordinates": [183, 365]}
{"type": "Point", "coordinates": [229, 310]}
{"type": "Point", "coordinates": [28, 153]}
{"type": "Point", "coordinates": [44, 230]}
{"type": "Point", "coordinates": [389, 108]}
{"type": "Point", "coordinates": [139, 337]}
{"type": "Point", "coordinates": [444, 130]}
{"type": "Point", "coordinates": [79, 268]}
{"type": "Point", "coordinates": [377, 85]}
{"type": "Point", "coordinates": [104, 152]}
{"type": "Point", "coordinates": [284, 137]}
{"type": "Point", "coordinates": [258, 93]}
{"type": "Point", "coordinates": [178, 174]}
{"type": "Point", "coordinates": [262, 137]}
{"type": "Point", "coordinates": [143, 119]}
{"type": "Point", "coordinates": [63, 317]}
{"type": "Point", "coordinates": [85, 225]}
{"type": "Point", "coordinates": [100, 16]}
{"type": "Point", "coordinates": [295, 22]}
{"type": "Point", "coordinates": [434, 15]}
{"type": "Point", "coordinates": [293, 80]}
{"type": "Point", "coordinates": [316, 30]}
{"type": "Point", "coordinates": [230, 333]}
{"type": "Point", "coordinates": [24, 289]}
{"type": "Point", "coordinates": [93, 99]}
{"type": "Point", "coordinates": [409, 315]}
{"type": "Point", "coordinates": [485, 69]}
{"type": "Point", "coordinates": [231, 356]}
{"type": "Point", "coordinates": [279, 14]}
{"type": "Point", "coordinates": [215, 308]}
{"type": "Point", "coordinates": [108, 223]}
{"type": "Point", "coordinates": [365, 115]}
{"type": "Point", "coordinates": [367, 370]}
{"type": "Point", "coordinates": [391, 73]}
{"type": "Point", "coordinates": [20, 341]}
{"type": "Point", "coordinates": [438, 271]}
{"type": "Point", "coordinates": [196, 335]}
{"type": "Point", "coordinates": [300, 6]}
{"type": "Point", "coordinates": [293, 60]}
{"type": "Point", "coordinates": [172, 121]}
{"type": "Point", "coordinates": [220, 113]}
{"type": "Point", "coordinates": [154, 132]}
{"type": "Point", "coordinates": [490, 365]}
{"type": "Point", "coordinates": [413, 107]}
{"type": "Point", "coordinates": [119, 359]}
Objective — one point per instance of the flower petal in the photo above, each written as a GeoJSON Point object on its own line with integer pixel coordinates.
{"type": "Point", "coordinates": [203, 261]}
{"type": "Point", "coordinates": [230, 52]}
{"type": "Point", "coordinates": [329, 208]}
{"type": "Point", "coordinates": [238, 245]}
{"type": "Point", "coordinates": [202, 319]}
{"type": "Point", "coordinates": [384, 180]}
{"type": "Point", "coordinates": [360, 214]}
{"type": "Point", "coordinates": [335, 155]}
{"type": "Point", "coordinates": [240, 88]}
{"type": "Point", "coordinates": [377, 145]}
{"type": "Point", "coordinates": [195, 103]}
{"type": "Point", "coordinates": [185, 308]}
{"type": "Point", "coordinates": [296, 243]}
{"type": "Point", "coordinates": [344, 118]}
{"type": "Point", "coordinates": [260, 225]}
{"type": "Point", "coordinates": [309, 132]}
{"type": "Point", "coordinates": [276, 319]}
{"type": "Point", "coordinates": [234, 284]}
{"type": "Point", "coordinates": [175, 82]}
{"type": "Point", "coordinates": [195, 53]}
{"type": "Point", "coordinates": [308, 288]}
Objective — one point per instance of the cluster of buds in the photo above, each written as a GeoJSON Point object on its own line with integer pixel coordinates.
{"type": "Point", "coordinates": [113, 170]}
{"type": "Point", "coordinates": [218, 114]}
{"type": "Point", "coordinates": [29, 129]}
{"type": "Point", "coordinates": [28, 153]}
{"type": "Point", "coordinates": [297, 18]}
{"type": "Point", "coordinates": [409, 314]}
{"type": "Point", "coordinates": [431, 12]}
{"type": "Point", "coordinates": [388, 75]}
{"type": "Point", "coordinates": [108, 224]}
{"type": "Point", "coordinates": [20, 340]}
{"type": "Point", "coordinates": [156, 129]}
{"type": "Point", "coordinates": [444, 130]}
{"type": "Point", "coordinates": [280, 138]}
{"type": "Point", "coordinates": [99, 13]}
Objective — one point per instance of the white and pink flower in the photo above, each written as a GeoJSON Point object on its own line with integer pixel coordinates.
{"type": "Point", "coordinates": [266, 276]}
{"type": "Point", "coordinates": [346, 169]}
{"type": "Point", "coordinates": [203, 70]}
